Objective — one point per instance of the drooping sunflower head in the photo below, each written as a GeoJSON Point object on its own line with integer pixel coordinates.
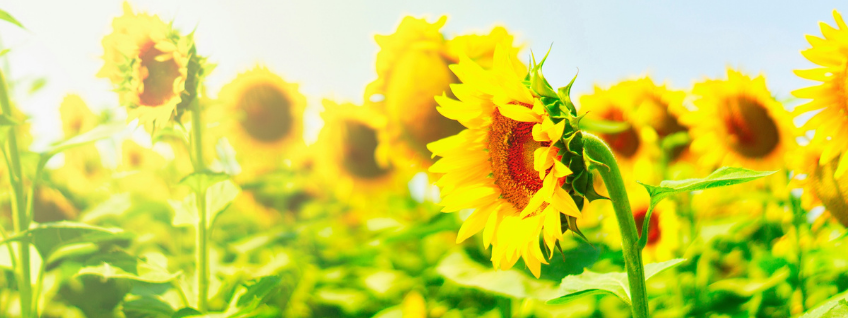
{"type": "Point", "coordinates": [262, 116]}
{"type": "Point", "coordinates": [738, 123]}
{"type": "Point", "coordinates": [830, 54]}
{"type": "Point", "coordinates": [346, 148]}
{"type": "Point", "coordinates": [412, 67]}
{"type": "Point", "coordinates": [822, 186]}
{"type": "Point", "coordinates": [148, 64]}
{"type": "Point", "coordinates": [519, 163]}
{"type": "Point", "coordinates": [75, 115]}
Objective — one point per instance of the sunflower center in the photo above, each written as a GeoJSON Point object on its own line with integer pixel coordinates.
{"type": "Point", "coordinates": [360, 142]}
{"type": "Point", "coordinates": [625, 143]}
{"type": "Point", "coordinates": [511, 148]}
{"type": "Point", "coordinates": [158, 77]}
{"type": "Point", "coordinates": [415, 79]}
{"type": "Point", "coordinates": [833, 192]}
{"type": "Point", "coordinates": [653, 226]}
{"type": "Point", "coordinates": [754, 131]}
{"type": "Point", "coordinates": [267, 113]}
{"type": "Point", "coordinates": [665, 124]}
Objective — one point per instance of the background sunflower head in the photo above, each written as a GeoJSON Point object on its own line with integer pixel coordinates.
{"type": "Point", "coordinates": [412, 67]}
{"type": "Point", "coordinates": [831, 96]}
{"type": "Point", "coordinates": [262, 117]}
{"type": "Point", "coordinates": [147, 62]}
{"type": "Point", "coordinates": [737, 122]}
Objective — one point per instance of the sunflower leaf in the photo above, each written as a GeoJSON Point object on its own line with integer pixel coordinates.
{"type": "Point", "coordinates": [615, 283]}
{"type": "Point", "coordinates": [830, 308]}
{"type": "Point", "coordinates": [218, 198]}
{"type": "Point", "coordinates": [724, 176]}
{"type": "Point", "coordinates": [49, 237]}
{"type": "Point", "coordinates": [120, 265]}
{"type": "Point", "coordinates": [8, 18]}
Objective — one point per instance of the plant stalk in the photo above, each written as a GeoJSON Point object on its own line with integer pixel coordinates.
{"type": "Point", "coordinates": [598, 150]}
{"type": "Point", "coordinates": [202, 237]}
{"type": "Point", "coordinates": [19, 217]}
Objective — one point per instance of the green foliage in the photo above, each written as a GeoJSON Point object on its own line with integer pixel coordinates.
{"type": "Point", "coordinates": [460, 269]}
{"type": "Point", "coordinates": [590, 283]}
{"type": "Point", "coordinates": [5, 16]}
{"type": "Point", "coordinates": [102, 131]}
{"type": "Point", "coordinates": [120, 265]}
{"type": "Point", "coordinates": [49, 237]}
{"type": "Point", "coordinates": [218, 197]}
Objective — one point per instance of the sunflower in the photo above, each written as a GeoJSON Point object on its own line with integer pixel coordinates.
{"type": "Point", "coordinates": [49, 205]}
{"type": "Point", "coordinates": [346, 148]}
{"type": "Point", "coordinates": [262, 116]}
{"type": "Point", "coordinates": [738, 123]}
{"type": "Point", "coordinates": [504, 164]}
{"type": "Point", "coordinates": [636, 148]}
{"type": "Point", "coordinates": [820, 182]}
{"type": "Point", "coordinates": [139, 169]}
{"type": "Point", "coordinates": [83, 170]}
{"type": "Point", "coordinates": [147, 62]}
{"type": "Point", "coordinates": [412, 67]}
{"type": "Point", "coordinates": [831, 96]}
{"type": "Point", "coordinates": [664, 228]}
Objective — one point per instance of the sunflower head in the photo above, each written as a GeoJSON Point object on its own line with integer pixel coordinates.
{"type": "Point", "coordinates": [830, 98]}
{"type": "Point", "coordinates": [148, 63]}
{"type": "Point", "coordinates": [75, 115]}
{"type": "Point", "coordinates": [822, 186]}
{"type": "Point", "coordinates": [262, 116]}
{"type": "Point", "coordinates": [519, 163]}
{"type": "Point", "coordinates": [738, 123]}
{"type": "Point", "coordinates": [347, 145]}
{"type": "Point", "coordinates": [413, 67]}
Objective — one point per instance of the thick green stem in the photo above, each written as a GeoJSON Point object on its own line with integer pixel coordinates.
{"type": "Point", "coordinates": [598, 150]}
{"type": "Point", "coordinates": [19, 217]}
{"type": "Point", "coordinates": [201, 251]}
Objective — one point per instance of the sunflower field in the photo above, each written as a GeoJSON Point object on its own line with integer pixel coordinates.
{"type": "Point", "coordinates": [174, 179]}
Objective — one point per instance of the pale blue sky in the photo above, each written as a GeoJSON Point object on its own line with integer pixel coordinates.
{"type": "Point", "coordinates": [328, 46]}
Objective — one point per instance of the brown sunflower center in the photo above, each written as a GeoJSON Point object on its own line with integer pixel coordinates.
{"type": "Point", "coordinates": [653, 226]}
{"type": "Point", "coordinates": [267, 113]}
{"type": "Point", "coordinates": [831, 191]}
{"type": "Point", "coordinates": [511, 148]}
{"type": "Point", "coordinates": [416, 78]}
{"type": "Point", "coordinates": [625, 143]}
{"type": "Point", "coordinates": [752, 128]}
{"type": "Point", "coordinates": [360, 142]}
{"type": "Point", "coordinates": [157, 77]}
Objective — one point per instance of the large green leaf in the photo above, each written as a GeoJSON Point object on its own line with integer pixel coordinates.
{"type": "Point", "coordinates": [460, 269]}
{"type": "Point", "coordinates": [120, 265]}
{"type": "Point", "coordinates": [257, 290]}
{"type": "Point", "coordinates": [49, 237]}
{"type": "Point", "coordinates": [218, 198]}
{"type": "Point", "coordinates": [724, 176]}
{"type": "Point", "coordinates": [615, 283]}
{"type": "Point", "coordinates": [8, 18]}
{"type": "Point", "coordinates": [829, 308]}
{"type": "Point", "coordinates": [102, 131]}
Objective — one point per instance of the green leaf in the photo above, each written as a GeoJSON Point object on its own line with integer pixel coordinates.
{"type": "Point", "coordinates": [8, 18]}
{"type": "Point", "coordinates": [102, 131]}
{"type": "Point", "coordinates": [441, 222]}
{"type": "Point", "coordinates": [724, 176]}
{"type": "Point", "coordinates": [116, 205]}
{"type": "Point", "coordinates": [257, 290]}
{"type": "Point", "coordinates": [750, 287]}
{"type": "Point", "coordinates": [460, 269]}
{"type": "Point", "coordinates": [49, 237]}
{"type": "Point", "coordinates": [186, 312]}
{"type": "Point", "coordinates": [147, 307]}
{"type": "Point", "coordinates": [200, 181]}
{"type": "Point", "coordinates": [837, 302]}
{"type": "Point", "coordinates": [218, 198]}
{"type": "Point", "coordinates": [37, 85]}
{"type": "Point", "coordinates": [120, 265]}
{"type": "Point", "coordinates": [603, 126]}
{"type": "Point", "coordinates": [590, 283]}
{"type": "Point", "coordinates": [838, 311]}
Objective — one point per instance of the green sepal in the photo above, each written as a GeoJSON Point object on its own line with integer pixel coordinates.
{"type": "Point", "coordinates": [565, 96]}
{"type": "Point", "coordinates": [594, 164]}
{"type": "Point", "coordinates": [591, 193]}
{"type": "Point", "coordinates": [572, 225]}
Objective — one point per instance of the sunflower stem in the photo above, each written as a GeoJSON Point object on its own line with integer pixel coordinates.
{"type": "Point", "coordinates": [202, 237]}
{"type": "Point", "coordinates": [598, 150]}
{"type": "Point", "coordinates": [19, 211]}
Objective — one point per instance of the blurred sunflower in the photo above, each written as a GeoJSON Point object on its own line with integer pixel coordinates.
{"type": "Point", "coordinates": [831, 96]}
{"type": "Point", "coordinates": [739, 123]}
{"type": "Point", "coordinates": [412, 67]}
{"type": "Point", "coordinates": [820, 182]}
{"type": "Point", "coordinates": [347, 145]}
{"type": "Point", "coordinates": [664, 230]}
{"type": "Point", "coordinates": [139, 167]}
{"type": "Point", "coordinates": [147, 62]}
{"type": "Point", "coordinates": [50, 205]}
{"type": "Point", "coordinates": [83, 170]}
{"type": "Point", "coordinates": [503, 165]}
{"type": "Point", "coordinates": [262, 116]}
{"type": "Point", "coordinates": [660, 108]}
{"type": "Point", "coordinates": [636, 148]}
